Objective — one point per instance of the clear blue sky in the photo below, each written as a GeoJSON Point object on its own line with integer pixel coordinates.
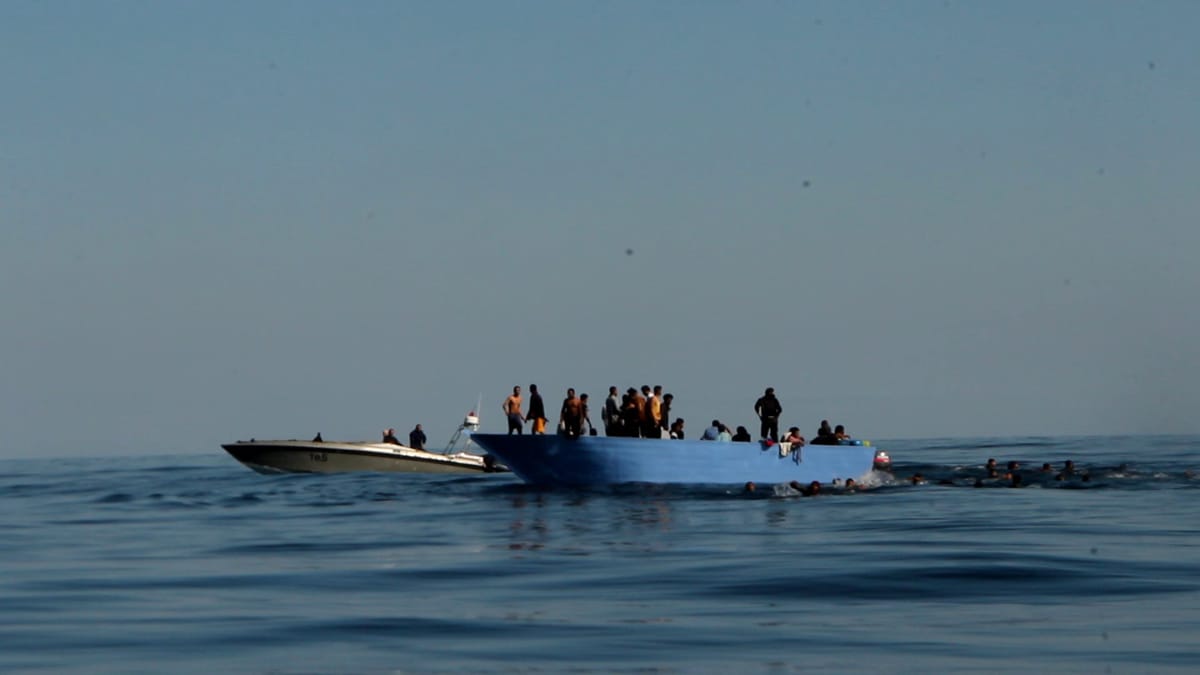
{"type": "Point", "coordinates": [221, 220]}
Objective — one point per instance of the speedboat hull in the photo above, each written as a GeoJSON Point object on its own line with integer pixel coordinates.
{"type": "Point", "coordinates": [337, 457]}
{"type": "Point", "coordinates": [602, 460]}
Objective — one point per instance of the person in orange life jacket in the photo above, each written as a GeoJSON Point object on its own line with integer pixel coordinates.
{"type": "Point", "coordinates": [537, 411]}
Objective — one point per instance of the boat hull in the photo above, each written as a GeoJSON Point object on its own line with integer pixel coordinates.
{"type": "Point", "coordinates": [338, 457]}
{"type": "Point", "coordinates": [601, 460]}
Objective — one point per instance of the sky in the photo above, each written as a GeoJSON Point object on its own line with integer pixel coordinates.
{"type": "Point", "coordinates": [225, 220]}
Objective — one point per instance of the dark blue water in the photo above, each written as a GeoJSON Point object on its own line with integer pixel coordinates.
{"type": "Point", "coordinates": [197, 564]}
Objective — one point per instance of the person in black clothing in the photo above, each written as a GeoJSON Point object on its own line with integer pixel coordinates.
{"type": "Point", "coordinates": [537, 411]}
{"type": "Point", "coordinates": [629, 414]}
{"type": "Point", "coordinates": [389, 436]}
{"type": "Point", "coordinates": [665, 422]}
{"type": "Point", "coordinates": [612, 413]}
{"type": "Point", "coordinates": [768, 409]}
{"type": "Point", "coordinates": [824, 430]}
{"type": "Point", "coordinates": [825, 435]}
{"type": "Point", "coordinates": [676, 430]}
{"type": "Point", "coordinates": [416, 438]}
{"type": "Point", "coordinates": [742, 436]}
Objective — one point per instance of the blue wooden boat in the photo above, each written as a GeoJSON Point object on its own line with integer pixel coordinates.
{"type": "Point", "coordinates": [564, 461]}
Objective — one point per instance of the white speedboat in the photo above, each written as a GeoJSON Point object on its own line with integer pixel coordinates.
{"type": "Point", "coordinates": [321, 456]}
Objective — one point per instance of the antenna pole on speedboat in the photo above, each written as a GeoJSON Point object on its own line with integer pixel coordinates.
{"type": "Point", "coordinates": [469, 424]}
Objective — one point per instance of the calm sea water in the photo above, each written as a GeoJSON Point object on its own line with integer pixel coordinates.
{"type": "Point", "coordinates": [197, 564]}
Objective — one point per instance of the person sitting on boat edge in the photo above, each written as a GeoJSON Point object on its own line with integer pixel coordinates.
{"type": "Point", "coordinates": [742, 436]}
{"type": "Point", "coordinates": [839, 432]}
{"type": "Point", "coordinates": [794, 437]}
{"type": "Point", "coordinates": [825, 435]}
{"type": "Point", "coordinates": [711, 433]}
{"type": "Point", "coordinates": [724, 435]}
{"type": "Point", "coordinates": [416, 438]}
{"type": "Point", "coordinates": [389, 436]}
{"type": "Point", "coordinates": [677, 429]}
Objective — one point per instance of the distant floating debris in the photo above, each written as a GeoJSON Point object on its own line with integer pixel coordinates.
{"type": "Point", "coordinates": [628, 251]}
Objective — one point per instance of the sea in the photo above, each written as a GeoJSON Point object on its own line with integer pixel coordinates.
{"type": "Point", "coordinates": [192, 563]}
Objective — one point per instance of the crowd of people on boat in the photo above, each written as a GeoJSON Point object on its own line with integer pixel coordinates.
{"type": "Point", "coordinates": [647, 413]}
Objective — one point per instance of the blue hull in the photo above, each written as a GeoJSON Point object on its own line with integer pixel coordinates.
{"type": "Point", "coordinates": [554, 460]}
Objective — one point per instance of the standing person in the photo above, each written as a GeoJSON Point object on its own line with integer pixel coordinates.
{"type": "Point", "coordinates": [416, 438]}
{"type": "Point", "coordinates": [571, 415]}
{"type": "Point", "coordinates": [629, 414]}
{"type": "Point", "coordinates": [512, 410]}
{"type": "Point", "coordinates": [537, 411]}
{"type": "Point", "coordinates": [587, 418]}
{"type": "Point", "coordinates": [664, 422]}
{"type": "Point", "coordinates": [612, 413]}
{"type": "Point", "coordinates": [768, 409]}
{"type": "Point", "coordinates": [639, 400]}
{"type": "Point", "coordinates": [653, 426]}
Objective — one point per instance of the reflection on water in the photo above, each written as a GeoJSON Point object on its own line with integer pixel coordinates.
{"type": "Point", "coordinates": [579, 514]}
{"type": "Point", "coordinates": [528, 531]}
